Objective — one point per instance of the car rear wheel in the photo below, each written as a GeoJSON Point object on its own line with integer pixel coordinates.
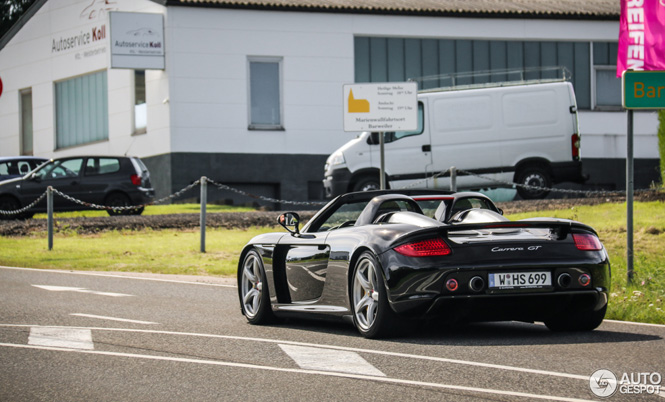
{"type": "Point", "coordinates": [253, 290]}
{"type": "Point", "coordinates": [372, 314]}
{"type": "Point", "coordinates": [581, 321]}
{"type": "Point", "coordinates": [120, 200]}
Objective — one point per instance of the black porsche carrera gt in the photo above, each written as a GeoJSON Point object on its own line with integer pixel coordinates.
{"type": "Point", "coordinates": [379, 257]}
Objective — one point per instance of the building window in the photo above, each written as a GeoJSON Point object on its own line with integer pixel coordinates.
{"type": "Point", "coordinates": [81, 110]}
{"type": "Point", "coordinates": [399, 59]}
{"type": "Point", "coordinates": [606, 86]}
{"type": "Point", "coordinates": [265, 93]}
{"type": "Point", "coordinates": [140, 107]}
{"type": "Point", "coordinates": [26, 121]}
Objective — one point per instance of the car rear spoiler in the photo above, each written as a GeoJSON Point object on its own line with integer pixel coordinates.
{"type": "Point", "coordinates": [561, 227]}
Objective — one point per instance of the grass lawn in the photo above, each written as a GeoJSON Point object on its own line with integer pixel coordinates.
{"type": "Point", "coordinates": [177, 252]}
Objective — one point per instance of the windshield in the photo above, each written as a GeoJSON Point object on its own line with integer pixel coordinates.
{"type": "Point", "coordinates": [345, 215]}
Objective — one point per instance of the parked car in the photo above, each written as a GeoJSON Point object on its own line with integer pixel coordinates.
{"type": "Point", "coordinates": [17, 166]}
{"type": "Point", "coordinates": [112, 181]}
{"type": "Point", "coordinates": [376, 258]}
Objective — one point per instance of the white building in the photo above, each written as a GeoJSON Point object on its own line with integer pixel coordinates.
{"type": "Point", "coordinates": [251, 91]}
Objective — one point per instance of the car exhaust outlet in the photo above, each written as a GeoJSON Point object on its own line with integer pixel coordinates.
{"type": "Point", "coordinates": [476, 284]}
{"type": "Point", "coordinates": [564, 280]}
{"type": "Point", "coordinates": [452, 285]}
{"type": "Point", "coordinates": [585, 280]}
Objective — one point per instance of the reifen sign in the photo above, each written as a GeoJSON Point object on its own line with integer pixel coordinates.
{"type": "Point", "coordinates": [641, 36]}
{"type": "Point", "coordinates": [137, 40]}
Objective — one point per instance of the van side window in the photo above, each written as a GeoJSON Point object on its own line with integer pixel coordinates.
{"type": "Point", "coordinates": [421, 120]}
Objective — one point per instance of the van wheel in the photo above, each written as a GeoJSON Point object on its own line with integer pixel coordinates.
{"type": "Point", "coordinates": [366, 183]}
{"type": "Point", "coordinates": [533, 176]}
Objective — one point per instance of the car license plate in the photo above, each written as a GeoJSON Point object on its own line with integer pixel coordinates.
{"type": "Point", "coordinates": [520, 280]}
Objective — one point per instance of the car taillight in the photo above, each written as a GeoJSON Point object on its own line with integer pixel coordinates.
{"type": "Point", "coordinates": [575, 141]}
{"type": "Point", "coordinates": [587, 242]}
{"type": "Point", "coordinates": [136, 180]}
{"type": "Point", "coordinates": [424, 248]}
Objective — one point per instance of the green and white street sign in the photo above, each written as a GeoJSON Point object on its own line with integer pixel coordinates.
{"type": "Point", "coordinates": [643, 89]}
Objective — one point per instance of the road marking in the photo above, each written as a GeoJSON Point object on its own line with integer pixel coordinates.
{"type": "Point", "coordinates": [117, 276]}
{"type": "Point", "coordinates": [308, 372]}
{"type": "Point", "coordinates": [79, 290]}
{"type": "Point", "coordinates": [330, 360]}
{"type": "Point", "coordinates": [101, 317]}
{"type": "Point", "coordinates": [70, 338]}
{"type": "Point", "coordinates": [636, 323]}
{"type": "Point", "coordinates": [358, 350]}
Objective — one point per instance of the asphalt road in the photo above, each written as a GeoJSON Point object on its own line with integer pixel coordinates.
{"type": "Point", "coordinates": [73, 336]}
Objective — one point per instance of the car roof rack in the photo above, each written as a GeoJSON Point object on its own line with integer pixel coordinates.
{"type": "Point", "coordinates": [491, 78]}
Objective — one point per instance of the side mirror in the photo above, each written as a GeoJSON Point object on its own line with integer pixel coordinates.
{"type": "Point", "coordinates": [291, 222]}
{"type": "Point", "coordinates": [373, 138]}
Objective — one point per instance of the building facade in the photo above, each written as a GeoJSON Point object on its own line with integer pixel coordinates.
{"type": "Point", "coordinates": [251, 93]}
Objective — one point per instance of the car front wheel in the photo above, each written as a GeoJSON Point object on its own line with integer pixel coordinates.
{"type": "Point", "coordinates": [372, 314]}
{"type": "Point", "coordinates": [253, 290]}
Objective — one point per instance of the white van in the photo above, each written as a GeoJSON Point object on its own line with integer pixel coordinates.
{"type": "Point", "coordinates": [526, 134]}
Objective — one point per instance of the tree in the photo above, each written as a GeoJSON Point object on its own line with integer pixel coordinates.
{"type": "Point", "coordinates": [10, 12]}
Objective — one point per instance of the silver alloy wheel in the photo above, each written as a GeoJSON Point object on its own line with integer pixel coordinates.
{"type": "Point", "coordinates": [365, 294]}
{"type": "Point", "coordinates": [252, 285]}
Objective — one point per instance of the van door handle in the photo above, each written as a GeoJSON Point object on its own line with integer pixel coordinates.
{"type": "Point", "coordinates": [427, 148]}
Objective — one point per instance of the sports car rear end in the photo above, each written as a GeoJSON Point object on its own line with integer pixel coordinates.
{"type": "Point", "coordinates": [552, 271]}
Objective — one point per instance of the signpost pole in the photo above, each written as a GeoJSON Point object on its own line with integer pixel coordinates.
{"type": "Point", "coordinates": [629, 198]}
{"type": "Point", "coordinates": [382, 170]}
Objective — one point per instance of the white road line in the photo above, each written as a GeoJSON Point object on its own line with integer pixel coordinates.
{"type": "Point", "coordinates": [101, 317]}
{"type": "Point", "coordinates": [340, 361]}
{"type": "Point", "coordinates": [358, 350]}
{"type": "Point", "coordinates": [79, 290]}
{"type": "Point", "coordinates": [69, 338]}
{"type": "Point", "coordinates": [308, 372]}
{"type": "Point", "coordinates": [645, 324]}
{"type": "Point", "coordinates": [117, 276]}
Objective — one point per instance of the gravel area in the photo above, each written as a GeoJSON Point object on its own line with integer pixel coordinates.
{"type": "Point", "coordinates": [258, 218]}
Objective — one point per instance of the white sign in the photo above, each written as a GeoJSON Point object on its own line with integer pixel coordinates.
{"type": "Point", "coordinates": [137, 40]}
{"type": "Point", "coordinates": [390, 106]}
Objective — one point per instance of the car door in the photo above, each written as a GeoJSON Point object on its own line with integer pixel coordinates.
{"type": "Point", "coordinates": [99, 173]}
{"type": "Point", "coordinates": [306, 265]}
{"type": "Point", "coordinates": [63, 175]}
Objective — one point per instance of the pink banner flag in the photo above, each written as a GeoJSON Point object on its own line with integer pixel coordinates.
{"type": "Point", "coordinates": [641, 36]}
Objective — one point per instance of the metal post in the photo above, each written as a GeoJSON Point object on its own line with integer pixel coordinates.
{"type": "Point", "coordinates": [49, 219]}
{"type": "Point", "coordinates": [204, 201]}
{"type": "Point", "coordinates": [453, 178]}
{"type": "Point", "coordinates": [382, 171]}
{"type": "Point", "coordinates": [629, 198]}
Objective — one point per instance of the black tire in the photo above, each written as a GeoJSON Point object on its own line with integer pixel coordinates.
{"type": "Point", "coordinates": [533, 176]}
{"type": "Point", "coordinates": [372, 314]}
{"type": "Point", "coordinates": [253, 290]}
{"type": "Point", "coordinates": [367, 183]}
{"type": "Point", "coordinates": [120, 200]}
{"type": "Point", "coordinates": [583, 321]}
{"type": "Point", "coordinates": [8, 203]}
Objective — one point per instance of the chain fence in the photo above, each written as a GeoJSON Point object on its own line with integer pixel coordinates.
{"type": "Point", "coordinates": [450, 172]}
{"type": "Point", "coordinates": [587, 193]}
